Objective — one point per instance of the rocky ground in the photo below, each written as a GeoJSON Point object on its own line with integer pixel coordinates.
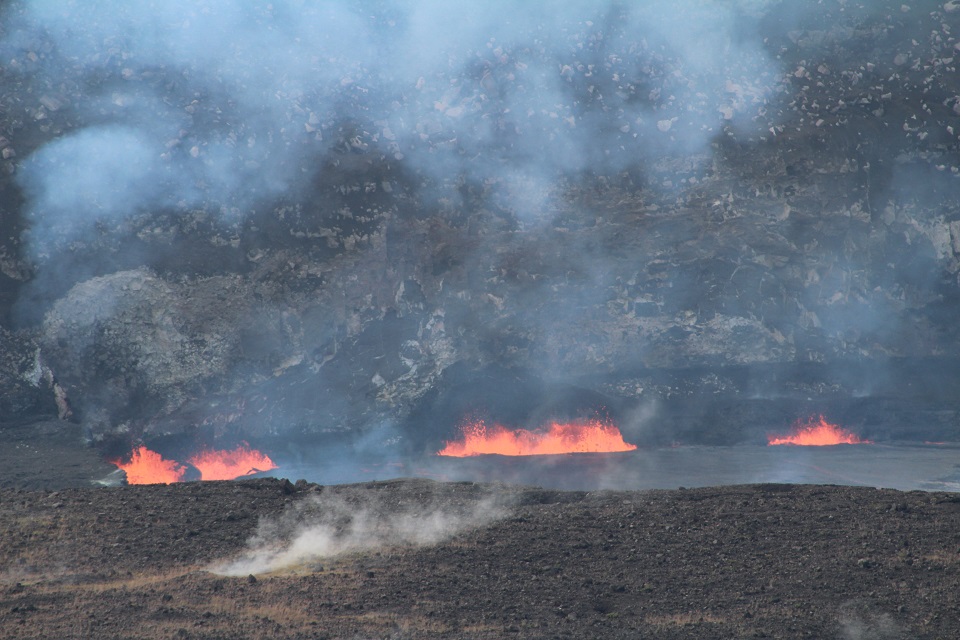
{"type": "Point", "coordinates": [46, 455]}
{"type": "Point", "coordinates": [481, 561]}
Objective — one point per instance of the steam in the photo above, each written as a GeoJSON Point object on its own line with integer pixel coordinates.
{"type": "Point", "coordinates": [186, 111]}
{"type": "Point", "coordinates": [860, 620]}
{"type": "Point", "coordinates": [331, 524]}
{"type": "Point", "coordinates": [217, 104]}
{"type": "Point", "coordinates": [165, 118]}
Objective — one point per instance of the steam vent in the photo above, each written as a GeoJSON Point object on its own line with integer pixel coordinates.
{"type": "Point", "coordinates": [333, 237]}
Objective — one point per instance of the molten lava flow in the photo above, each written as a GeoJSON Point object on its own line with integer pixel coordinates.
{"type": "Point", "coordinates": [227, 465]}
{"type": "Point", "coordinates": [818, 433]}
{"type": "Point", "coordinates": [149, 467]}
{"type": "Point", "coordinates": [592, 436]}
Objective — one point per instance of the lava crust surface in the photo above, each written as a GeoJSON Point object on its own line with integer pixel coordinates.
{"type": "Point", "coordinates": [750, 561]}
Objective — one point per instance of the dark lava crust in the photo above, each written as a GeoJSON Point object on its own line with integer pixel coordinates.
{"type": "Point", "coordinates": [753, 561]}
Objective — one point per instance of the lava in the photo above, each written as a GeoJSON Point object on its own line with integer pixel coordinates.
{"type": "Point", "coordinates": [149, 467]}
{"type": "Point", "coordinates": [593, 436]}
{"type": "Point", "coordinates": [817, 433]}
{"type": "Point", "coordinates": [227, 465]}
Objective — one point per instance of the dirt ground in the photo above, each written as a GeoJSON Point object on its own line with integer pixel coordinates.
{"type": "Point", "coordinates": [48, 454]}
{"type": "Point", "coordinates": [424, 559]}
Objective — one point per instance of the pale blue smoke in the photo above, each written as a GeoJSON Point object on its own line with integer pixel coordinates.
{"type": "Point", "coordinates": [508, 92]}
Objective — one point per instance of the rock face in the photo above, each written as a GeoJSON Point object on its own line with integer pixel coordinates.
{"type": "Point", "coordinates": [714, 262]}
{"type": "Point", "coordinates": [23, 378]}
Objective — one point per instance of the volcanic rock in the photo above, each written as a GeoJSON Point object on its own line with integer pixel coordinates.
{"type": "Point", "coordinates": [739, 561]}
{"type": "Point", "coordinates": [803, 258]}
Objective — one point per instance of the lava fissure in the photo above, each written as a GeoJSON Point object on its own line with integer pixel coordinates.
{"type": "Point", "coordinates": [149, 467]}
{"type": "Point", "coordinates": [593, 436]}
{"type": "Point", "coordinates": [817, 433]}
{"type": "Point", "coordinates": [227, 465]}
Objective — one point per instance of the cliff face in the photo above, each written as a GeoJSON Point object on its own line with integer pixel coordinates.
{"type": "Point", "coordinates": [732, 247]}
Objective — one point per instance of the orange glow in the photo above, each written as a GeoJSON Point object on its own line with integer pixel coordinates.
{"type": "Point", "coordinates": [227, 465]}
{"type": "Point", "coordinates": [592, 436]}
{"type": "Point", "coordinates": [149, 467]}
{"type": "Point", "coordinates": [817, 433]}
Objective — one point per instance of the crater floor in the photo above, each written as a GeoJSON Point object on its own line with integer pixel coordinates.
{"type": "Point", "coordinates": [746, 561]}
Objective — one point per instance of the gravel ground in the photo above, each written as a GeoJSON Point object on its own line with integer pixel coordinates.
{"type": "Point", "coordinates": [421, 559]}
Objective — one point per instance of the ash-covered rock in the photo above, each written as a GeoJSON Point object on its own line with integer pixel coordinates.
{"type": "Point", "coordinates": [26, 384]}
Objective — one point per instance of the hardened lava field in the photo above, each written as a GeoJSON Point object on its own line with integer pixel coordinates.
{"type": "Point", "coordinates": [422, 559]}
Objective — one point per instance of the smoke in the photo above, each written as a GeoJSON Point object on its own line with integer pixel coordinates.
{"type": "Point", "coordinates": [217, 105]}
{"type": "Point", "coordinates": [176, 105]}
{"type": "Point", "coordinates": [231, 130]}
{"type": "Point", "coordinates": [157, 112]}
{"type": "Point", "coordinates": [336, 522]}
{"type": "Point", "coordinates": [861, 620]}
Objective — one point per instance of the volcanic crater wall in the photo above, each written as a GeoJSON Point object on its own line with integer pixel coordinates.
{"type": "Point", "coordinates": [254, 221]}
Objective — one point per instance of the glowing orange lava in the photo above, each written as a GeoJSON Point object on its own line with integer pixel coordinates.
{"type": "Point", "coordinates": [817, 433]}
{"type": "Point", "coordinates": [227, 465]}
{"type": "Point", "coordinates": [593, 436]}
{"type": "Point", "coordinates": [149, 467]}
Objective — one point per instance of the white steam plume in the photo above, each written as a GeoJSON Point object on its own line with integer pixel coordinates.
{"type": "Point", "coordinates": [860, 620]}
{"type": "Point", "coordinates": [330, 524]}
{"type": "Point", "coordinates": [218, 104]}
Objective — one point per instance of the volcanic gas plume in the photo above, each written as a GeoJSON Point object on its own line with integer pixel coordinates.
{"type": "Point", "coordinates": [817, 433]}
{"type": "Point", "coordinates": [328, 524]}
{"type": "Point", "coordinates": [593, 436]}
{"type": "Point", "coordinates": [149, 467]}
